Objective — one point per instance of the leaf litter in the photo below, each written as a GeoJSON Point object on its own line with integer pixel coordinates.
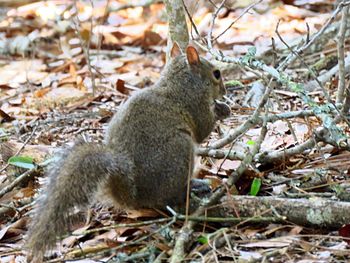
{"type": "Point", "coordinates": [45, 81]}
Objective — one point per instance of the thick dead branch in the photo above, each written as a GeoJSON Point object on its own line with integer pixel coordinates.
{"type": "Point", "coordinates": [315, 212]}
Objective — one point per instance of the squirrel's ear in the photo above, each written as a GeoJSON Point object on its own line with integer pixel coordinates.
{"type": "Point", "coordinates": [192, 55]}
{"type": "Point", "coordinates": [175, 51]}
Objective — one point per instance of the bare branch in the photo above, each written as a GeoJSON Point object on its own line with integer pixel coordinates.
{"type": "Point", "coordinates": [291, 57]}
{"type": "Point", "coordinates": [340, 48]}
{"type": "Point", "coordinates": [246, 10]}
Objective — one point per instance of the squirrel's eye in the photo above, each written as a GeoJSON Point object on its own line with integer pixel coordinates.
{"type": "Point", "coordinates": [217, 74]}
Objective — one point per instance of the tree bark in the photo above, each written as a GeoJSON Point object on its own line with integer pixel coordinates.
{"type": "Point", "coordinates": [317, 212]}
{"type": "Point", "coordinates": [178, 31]}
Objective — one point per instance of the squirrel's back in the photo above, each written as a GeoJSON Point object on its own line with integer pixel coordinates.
{"type": "Point", "coordinates": [156, 134]}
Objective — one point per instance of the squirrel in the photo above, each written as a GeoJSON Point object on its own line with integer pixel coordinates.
{"type": "Point", "coordinates": [147, 155]}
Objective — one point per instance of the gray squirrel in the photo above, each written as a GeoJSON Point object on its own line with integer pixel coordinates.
{"type": "Point", "coordinates": [148, 153]}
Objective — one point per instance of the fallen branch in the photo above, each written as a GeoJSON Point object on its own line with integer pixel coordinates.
{"type": "Point", "coordinates": [14, 207]}
{"type": "Point", "coordinates": [25, 176]}
{"type": "Point", "coordinates": [270, 157]}
{"type": "Point", "coordinates": [212, 151]}
{"type": "Point", "coordinates": [314, 212]}
{"type": "Point", "coordinates": [293, 56]}
{"type": "Point", "coordinates": [313, 85]}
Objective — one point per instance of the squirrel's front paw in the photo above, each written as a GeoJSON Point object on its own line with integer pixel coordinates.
{"type": "Point", "coordinates": [221, 110]}
{"type": "Point", "coordinates": [200, 187]}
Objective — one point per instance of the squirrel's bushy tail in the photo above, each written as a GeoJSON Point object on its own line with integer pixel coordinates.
{"type": "Point", "coordinates": [73, 180]}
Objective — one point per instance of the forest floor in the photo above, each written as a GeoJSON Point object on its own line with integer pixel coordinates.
{"type": "Point", "coordinates": [66, 67]}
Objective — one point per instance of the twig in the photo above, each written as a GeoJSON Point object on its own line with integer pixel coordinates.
{"type": "Point", "coordinates": [286, 115]}
{"type": "Point", "coordinates": [225, 157]}
{"type": "Point", "coordinates": [321, 134]}
{"type": "Point", "coordinates": [250, 156]}
{"type": "Point", "coordinates": [270, 157]}
{"type": "Point", "coordinates": [291, 57]}
{"type": "Point", "coordinates": [88, 59]}
{"type": "Point", "coordinates": [346, 106]}
{"type": "Point", "coordinates": [257, 64]}
{"type": "Point", "coordinates": [246, 10]}
{"type": "Point", "coordinates": [233, 134]}
{"type": "Point", "coordinates": [234, 220]}
{"type": "Point", "coordinates": [303, 61]}
{"type": "Point", "coordinates": [22, 147]}
{"type": "Point", "coordinates": [143, 223]}
{"type": "Point", "coordinates": [191, 20]}
{"type": "Point", "coordinates": [219, 153]}
{"type": "Point", "coordinates": [99, 34]}
{"type": "Point", "coordinates": [126, 6]}
{"type": "Point", "coordinates": [220, 57]}
{"type": "Point", "coordinates": [329, 100]}
{"type": "Point", "coordinates": [274, 60]}
{"type": "Point", "coordinates": [212, 23]}
{"type": "Point", "coordinates": [26, 175]}
{"type": "Point", "coordinates": [341, 56]}
{"type": "Point", "coordinates": [104, 250]}
{"type": "Point", "coordinates": [312, 85]}
{"type": "Point", "coordinates": [85, 46]}
{"type": "Point", "coordinates": [17, 206]}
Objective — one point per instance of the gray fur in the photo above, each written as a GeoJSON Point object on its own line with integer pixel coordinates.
{"type": "Point", "coordinates": [147, 155]}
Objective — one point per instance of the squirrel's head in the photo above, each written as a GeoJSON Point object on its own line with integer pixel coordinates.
{"type": "Point", "coordinates": [208, 74]}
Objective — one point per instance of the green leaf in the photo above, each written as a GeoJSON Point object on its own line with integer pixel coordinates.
{"type": "Point", "coordinates": [296, 87]}
{"type": "Point", "coordinates": [234, 83]}
{"type": "Point", "coordinates": [203, 240]}
{"type": "Point", "coordinates": [250, 143]}
{"type": "Point", "coordinates": [255, 187]}
{"type": "Point", "coordinates": [244, 60]}
{"type": "Point", "coordinates": [22, 161]}
{"type": "Point", "coordinates": [252, 51]}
